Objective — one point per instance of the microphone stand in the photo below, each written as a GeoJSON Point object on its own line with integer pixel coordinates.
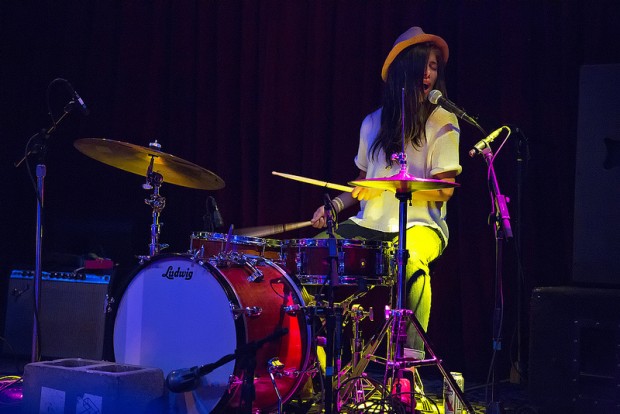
{"type": "Point", "coordinates": [185, 380]}
{"type": "Point", "coordinates": [333, 314]}
{"type": "Point", "coordinates": [39, 148]}
{"type": "Point", "coordinates": [503, 232]}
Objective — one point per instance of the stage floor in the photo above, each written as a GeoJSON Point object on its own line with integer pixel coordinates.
{"type": "Point", "coordinates": [513, 397]}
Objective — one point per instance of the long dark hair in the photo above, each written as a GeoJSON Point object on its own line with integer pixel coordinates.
{"type": "Point", "coordinates": [407, 71]}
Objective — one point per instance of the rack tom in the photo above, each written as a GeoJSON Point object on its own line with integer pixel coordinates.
{"type": "Point", "coordinates": [211, 244]}
{"type": "Point", "coordinates": [360, 262]}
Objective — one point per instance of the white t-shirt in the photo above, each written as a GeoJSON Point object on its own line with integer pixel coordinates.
{"type": "Point", "coordinates": [439, 154]}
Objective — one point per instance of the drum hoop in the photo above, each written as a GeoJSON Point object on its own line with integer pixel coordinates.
{"type": "Point", "coordinates": [364, 244]}
{"type": "Point", "coordinates": [236, 239]}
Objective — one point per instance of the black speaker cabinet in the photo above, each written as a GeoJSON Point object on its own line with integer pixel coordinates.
{"type": "Point", "coordinates": [574, 360]}
{"type": "Point", "coordinates": [71, 315]}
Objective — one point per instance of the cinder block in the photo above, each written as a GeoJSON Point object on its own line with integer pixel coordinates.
{"type": "Point", "coordinates": [76, 385]}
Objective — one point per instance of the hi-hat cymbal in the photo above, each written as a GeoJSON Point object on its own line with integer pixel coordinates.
{"type": "Point", "coordinates": [136, 159]}
{"type": "Point", "coordinates": [403, 183]}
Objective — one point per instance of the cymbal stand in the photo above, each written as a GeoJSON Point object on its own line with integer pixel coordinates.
{"type": "Point", "coordinates": [397, 318]}
{"type": "Point", "coordinates": [157, 204]}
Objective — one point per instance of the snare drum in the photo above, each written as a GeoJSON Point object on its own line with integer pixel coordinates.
{"type": "Point", "coordinates": [359, 261]}
{"type": "Point", "coordinates": [178, 312]}
{"type": "Point", "coordinates": [210, 244]}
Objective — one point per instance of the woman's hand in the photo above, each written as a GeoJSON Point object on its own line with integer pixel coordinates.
{"type": "Point", "coordinates": [363, 193]}
{"type": "Point", "coordinates": [318, 219]}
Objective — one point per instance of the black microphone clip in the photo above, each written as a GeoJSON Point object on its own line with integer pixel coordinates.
{"type": "Point", "coordinates": [483, 146]}
{"type": "Point", "coordinates": [218, 221]}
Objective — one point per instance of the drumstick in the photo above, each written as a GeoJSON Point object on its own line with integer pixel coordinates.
{"type": "Point", "coordinates": [262, 231]}
{"type": "Point", "coordinates": [314, 182]}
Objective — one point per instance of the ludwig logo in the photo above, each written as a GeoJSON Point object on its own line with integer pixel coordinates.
{"type": "Point", "coordinates": [183, 274]}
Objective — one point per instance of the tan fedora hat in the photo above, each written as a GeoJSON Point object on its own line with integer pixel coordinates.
{"type": "Point", "coordinates": [412, 36]}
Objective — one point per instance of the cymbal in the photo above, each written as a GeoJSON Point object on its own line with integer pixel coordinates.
{"type": "Point", "coordinates": [136, 159]}
{"type": "Point", "coordinates": [403, 183]}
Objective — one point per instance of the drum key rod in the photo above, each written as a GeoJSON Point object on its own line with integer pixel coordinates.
{"type": "Point", "coordinates": [248, 311]}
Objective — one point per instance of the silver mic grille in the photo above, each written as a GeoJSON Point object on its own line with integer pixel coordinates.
{"type": "Point", "coordinates": [434, 95]}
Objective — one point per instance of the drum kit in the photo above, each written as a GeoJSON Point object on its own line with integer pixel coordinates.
{"type": "Point", "coordinates": [248, 294]}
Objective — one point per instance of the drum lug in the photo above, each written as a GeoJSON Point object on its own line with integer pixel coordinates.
{"type": "Point", "coordinates": [108, 303]}
{"type": "Point", "coordinates": [292, 310]}
{"type": "Point", "coordinates": [233, 381]}
{"type": "Point", "coordinates": [341, 262]}
{"type": "Point", "coordinates": [197, 253]}
{"type": "Point", "coordinates": [255, 274]}
{"type": "Point", "coordinates": [227, 259]}
{"type": "Point", "coordinates": [300, 262]}
{"type": "Point", "coordinates": [143, 259]}
{"type": "Point", "coordinates": [249, 311]}
{"type": "Point", "coordinates": [380, 268]}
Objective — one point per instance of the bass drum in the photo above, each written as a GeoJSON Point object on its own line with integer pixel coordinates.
{"type": "Point", "coordinates": [177, 312]}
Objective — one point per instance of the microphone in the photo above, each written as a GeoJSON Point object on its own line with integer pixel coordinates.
{"type": "Point", "coordinates": [436, 97]}
{"type": "Point", "coordinates": [218, 222]}
{"type": "Point", "coordinates": [77, 99]}
{"type": "Point", "coordinates": [183, 380]}
{"type": "Point", "coordinates": [188, 379]}
{"type": "Point", "coordinates": [484, 143]}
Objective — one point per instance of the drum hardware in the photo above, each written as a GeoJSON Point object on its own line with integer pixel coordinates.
{"type": "Point", "coordinates": [109, 303]}
{"type": "Point", "coordinates": [354, 385]}
{"type": "Point", "coordinates": [276, 367]}
{"type": "Point", "coordinates": [249, 311]}
{"type": "Point", "coordinates": [157, 202]}
{"type": "Point", "coordinates": [157, 166]}
{"type": "Point", "coordinates": [256, 276]}
{"type": "Point", "coordinates": [197, 254]}
{"type": "Point", "coordinates": [230, 259]}
{"type": "Point", "coordinates": [404, 184]}
{"type": "Point", "coordinates": [358, 314]}
{"type": "Point", "coordinates": [292, 310]}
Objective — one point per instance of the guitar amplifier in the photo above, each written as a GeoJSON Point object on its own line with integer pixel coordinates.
{"type": "Point", "coordinates": [71, 313]}
{"type": "Point", "coordinates": [574, 358]}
